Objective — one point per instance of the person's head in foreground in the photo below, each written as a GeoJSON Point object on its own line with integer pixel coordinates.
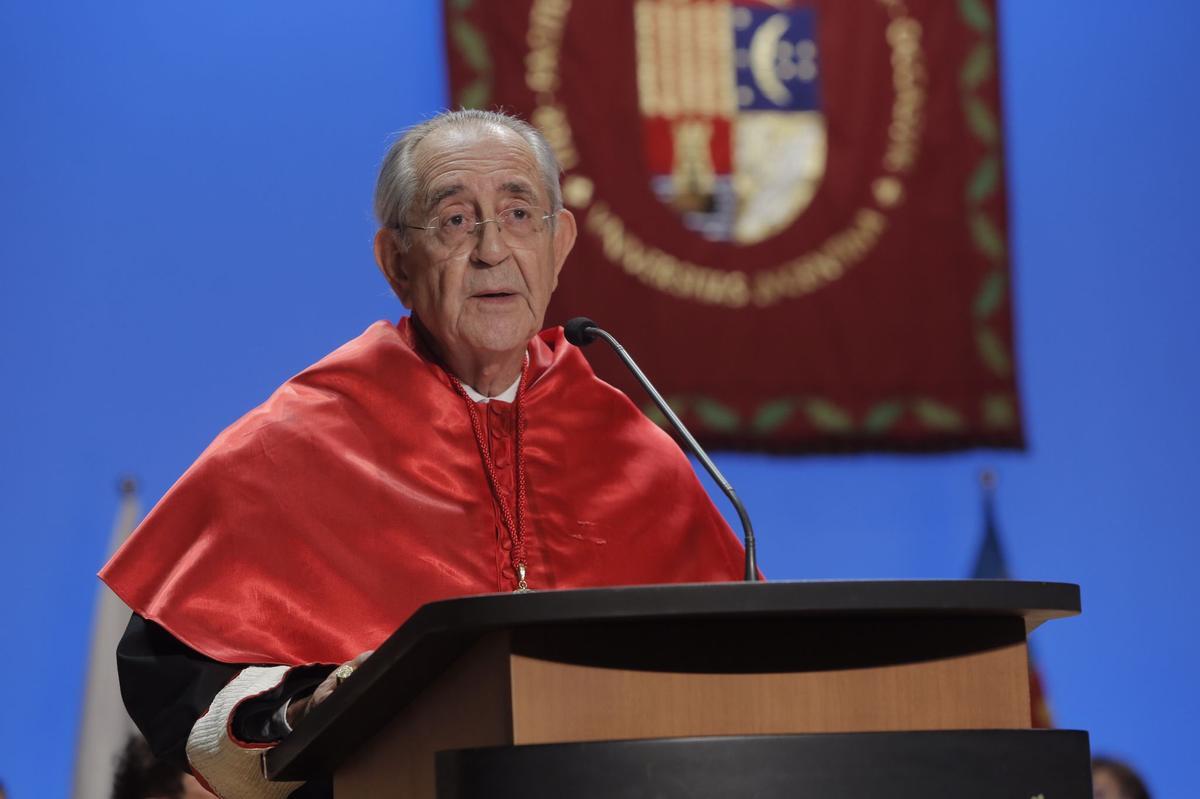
{"type": "Point", "coordinates": [1112, 779]}
{"type": "Point", "coordinates": [140, 775]}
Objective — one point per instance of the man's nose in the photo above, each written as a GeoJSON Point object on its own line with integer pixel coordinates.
{"type": "Point", "coordinates": [490, 247]}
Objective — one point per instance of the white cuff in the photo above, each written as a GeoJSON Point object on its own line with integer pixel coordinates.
{"type": "Point", "coordinates": [230, 768]}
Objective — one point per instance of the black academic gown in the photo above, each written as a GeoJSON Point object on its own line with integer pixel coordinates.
{"type": "Point", "coordinates": [167, 686]}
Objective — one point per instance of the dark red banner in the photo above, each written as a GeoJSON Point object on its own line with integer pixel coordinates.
{"type": "Point", "coordinates": [792, 213]}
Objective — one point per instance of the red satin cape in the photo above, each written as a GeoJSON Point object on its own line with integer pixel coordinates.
{"type": "Point", "coordinates": [310, 529]}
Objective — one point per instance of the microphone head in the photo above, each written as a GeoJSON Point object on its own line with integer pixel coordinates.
{"type": "Point", "coordinates": [580, 331]}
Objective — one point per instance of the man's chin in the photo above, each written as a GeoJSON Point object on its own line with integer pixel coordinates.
{"type": "Point", "coordinates": [501, 337]}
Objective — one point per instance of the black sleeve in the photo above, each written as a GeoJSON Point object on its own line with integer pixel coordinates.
{"type": "Point", "coordinates": [167, 686]}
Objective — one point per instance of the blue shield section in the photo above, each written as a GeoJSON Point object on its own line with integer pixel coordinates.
{"type": "Point", "coordinates": [775, 53]}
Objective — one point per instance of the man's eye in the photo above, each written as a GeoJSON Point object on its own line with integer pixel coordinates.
{"type": "Point", "coordinates": [519, 214]}
{"type": "Point", "coordinates": [454, 220]}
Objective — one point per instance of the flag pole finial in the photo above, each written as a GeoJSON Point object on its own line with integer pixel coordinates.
{"type": "Point", "coordinates": [127, 485]}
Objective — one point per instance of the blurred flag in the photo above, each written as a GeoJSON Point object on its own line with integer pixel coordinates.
{"type": "Point", "coordinates": [105, 725]}
{"type": "Point", "coordinates": [991, 565]}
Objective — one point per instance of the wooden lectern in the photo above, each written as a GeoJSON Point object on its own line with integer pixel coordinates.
{"type": "Point", "coordinates": [764, 689]}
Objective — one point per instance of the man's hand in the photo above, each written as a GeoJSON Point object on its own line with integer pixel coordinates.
{"type": "Point", "coordinates": [302, 707]}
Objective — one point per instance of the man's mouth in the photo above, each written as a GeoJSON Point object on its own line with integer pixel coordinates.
{"type": "Point", "coordinates": [494, 295]}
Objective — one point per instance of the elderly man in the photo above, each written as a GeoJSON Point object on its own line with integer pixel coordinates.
{"type": "Point", "coordinates": [457, 452]}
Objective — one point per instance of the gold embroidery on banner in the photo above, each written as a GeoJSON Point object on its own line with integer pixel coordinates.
{"type": "Point", "coordinates": [693, 173]}
{"type": "Point", "coordinates": [677, 49]}
{"type": "Point", "coordinates": [716, 49]}
{"type": "Point", "coordinates": [648, 75]}
{"type": "Point", "coordinates": [685, 51]}
{"type": "Point", "coordinates": [734, 289]}
{"type": "Point", "coordinates": [578, 190]}
{"type": "Point", "coordinates": [908, 80]}
{"type": "Point", "coordinates": [684, 63]}
{"type": "Point", "coordinates": [544, 37]}
{"type": "Point", "coordinates": [662, 271]}
{"type": "Point", "coordinates": [552, 121]}
{"type": "Point", "coordinates": [722, 18]}
{"type": "Point", "coordinates": [888, 191]}
{"type": "Point", "coordinates": [829, 262]}
{"type": "Point", "coordinates": [670, 97]}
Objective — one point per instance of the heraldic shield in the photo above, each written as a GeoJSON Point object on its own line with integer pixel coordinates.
{"type": "Point", "coordinates": [729, 94]}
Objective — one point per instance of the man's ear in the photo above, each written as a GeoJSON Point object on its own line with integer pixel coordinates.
{"type": "Point", "coordinates": [564, 240]}
{"type": "Point", "coordinates": [390, 260]}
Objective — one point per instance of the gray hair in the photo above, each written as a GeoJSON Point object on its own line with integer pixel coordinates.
{"type": "Point", "coordinates": [397, 189]}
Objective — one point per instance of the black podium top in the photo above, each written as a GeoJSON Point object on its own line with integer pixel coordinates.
{"type": "Point", "coordinates": [440, 632]}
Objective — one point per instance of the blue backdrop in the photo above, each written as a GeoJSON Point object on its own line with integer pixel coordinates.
{"type": "Point", "coordinates": [185, 223]}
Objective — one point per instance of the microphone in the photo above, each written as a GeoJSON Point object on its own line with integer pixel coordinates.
{"type": "Point", "coordinates": [582, 331]}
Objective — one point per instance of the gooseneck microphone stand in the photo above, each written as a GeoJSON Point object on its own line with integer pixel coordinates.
{"type": "Point", "coordinates": [582, 331]}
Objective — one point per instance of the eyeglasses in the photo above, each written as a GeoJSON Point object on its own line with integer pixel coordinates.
{"type": "Point", "coordinates": [516, 224]}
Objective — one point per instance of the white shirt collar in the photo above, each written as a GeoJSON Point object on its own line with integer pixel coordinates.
{"type": "Point", "coordinates": [507, 395]}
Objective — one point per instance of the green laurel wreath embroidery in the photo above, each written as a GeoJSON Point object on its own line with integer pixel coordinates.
{"type": "Point", "coordinates": [826, 416]}
{"type": "Point", "coordinates": [998, 410]}
{"type": "Point", "coordinates": [472, 47]}
{"type": "Point", "coordinates": [982, 185]}
{"type": "Point", "coordinates": [712, 414]}
{"type": "Point", "coordinates": [975, 13]}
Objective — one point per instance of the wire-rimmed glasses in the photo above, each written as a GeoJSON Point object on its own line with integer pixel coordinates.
{"type": "Point", "coordinates": [516, 224]}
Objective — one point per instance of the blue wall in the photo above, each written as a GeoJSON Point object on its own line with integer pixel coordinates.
{"type": "Point", "coordinates": [185, 222]}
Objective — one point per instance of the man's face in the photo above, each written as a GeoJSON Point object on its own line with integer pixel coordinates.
{"type": "Point", "coordinates": [488, 296]}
